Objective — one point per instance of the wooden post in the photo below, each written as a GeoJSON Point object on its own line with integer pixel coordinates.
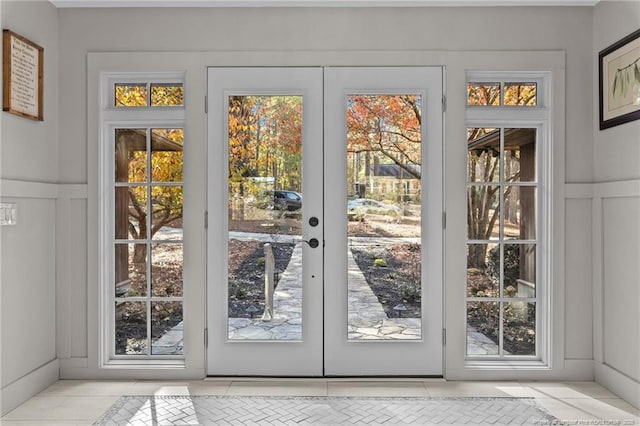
{"type": "Point", "coordinates": [528, 209]}
{"type": "Point", "coordinates": [269, 269]}
{"type": "Point", "coordinates": [121, 207]}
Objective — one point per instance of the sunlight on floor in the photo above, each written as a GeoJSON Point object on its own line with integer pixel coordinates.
{"type": "Point", "coordinates": [77, 402]}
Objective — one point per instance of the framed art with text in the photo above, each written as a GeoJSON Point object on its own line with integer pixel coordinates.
{"type": "Point", "coordinates": [22, 76]}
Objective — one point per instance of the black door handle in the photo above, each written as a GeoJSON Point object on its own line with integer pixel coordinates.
{"type": "Point", "coordinates": [313, 243]}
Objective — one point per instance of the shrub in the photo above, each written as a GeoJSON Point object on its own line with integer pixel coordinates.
{"type": "Point", "coordinates": [511, 264]}
{"type": "Point", "coordinates": [380, 262]}
{"type": "Point", "coordinates": [410, 292]}
{"type": "Point", "coordinates": [237, 291]}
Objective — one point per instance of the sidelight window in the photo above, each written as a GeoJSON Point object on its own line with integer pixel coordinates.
{"type": "Point", "coordinates": [142, 204]}
{"type": "Point", "coordinates": [507, 224]}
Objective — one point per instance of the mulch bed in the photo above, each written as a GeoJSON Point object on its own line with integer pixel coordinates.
{"type": "Point", "coordinates": [246, 274]}
{"type": "Point", "coordinates": [520, 322]}
{"type": "Point", "coordinates": [397, 283]}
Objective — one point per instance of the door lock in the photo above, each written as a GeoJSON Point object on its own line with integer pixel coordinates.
{"type": "Point", "coordinates": [313, 243]}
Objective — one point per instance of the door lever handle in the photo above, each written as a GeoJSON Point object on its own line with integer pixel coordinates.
{"type": "Point", "coordinates": [313, 242]}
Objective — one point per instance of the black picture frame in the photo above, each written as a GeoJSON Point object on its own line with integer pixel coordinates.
{"type": "Point", "coordinates": [623, 57]}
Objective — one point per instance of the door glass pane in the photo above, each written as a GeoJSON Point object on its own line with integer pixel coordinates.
{"type": "Point", "coordinates": [384, 211]}
{"type": "Point", "coordinates": [130, 212]}
{"type": "Point", "coordinates": [130, 95]}
{"type": "Point", "coordinates": [131, 155]}
{"type": "Point", "coordinates": [483, 146]}
{"type": "Point", "coordinates": [264, 217]}
{"type": "Point", "coordinates": [166, 328]}
{"type": "Point", "coordinates": [520, 328]}
{"type": "Point", "coordinates": [519, 155]}
{"type": "Point", "coordinates": [483, 212]}
{"type": "Point", "coordinates": [520, 94]}
{"type": "Point", "coordinates": [483, 270]}
{"type": "Point", "coordinates": [483, 329]}
{"type": "Point", "coordinates": [519, 270]}
{"type": "Point", "coordinates": [166, 219]}
{"type": "Point", "coordinates": [520, 212]}
{"type": "Point", "coordinates": [166, 270]}
{"type": "Point", "coordinates": [131, 328]}
{"type": "Point", "coordinates": [483, 94]}
{"type": "Point", "coordinates": [130, 270]}
{"type": "Point", "coordinates": [167, 94]}
{"type": "Point", "coordinates": [166, 155]}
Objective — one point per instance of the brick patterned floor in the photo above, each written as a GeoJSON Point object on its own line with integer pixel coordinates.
{"type": "Point", "coordinates": [226, 410]}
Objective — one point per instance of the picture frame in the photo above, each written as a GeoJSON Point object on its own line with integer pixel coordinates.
{"type": "Point", "coordinates": [22, 76]}
{"type": "Point", "coordinates": [619, 81]}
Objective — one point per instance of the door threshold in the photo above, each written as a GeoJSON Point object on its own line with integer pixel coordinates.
{"type": "Point", "coordinates": [324, 378]}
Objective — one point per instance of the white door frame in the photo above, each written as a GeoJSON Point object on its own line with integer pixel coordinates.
{"type": "Point", "coordinates": [340, 357]}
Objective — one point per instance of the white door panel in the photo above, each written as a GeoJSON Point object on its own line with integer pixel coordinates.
{"type": "Point", "coordinates": [359, 339]}
{"type": "Point", "coordinates": [240, 193]}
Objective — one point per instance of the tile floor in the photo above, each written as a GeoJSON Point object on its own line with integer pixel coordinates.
{"type": "Point", "coordinates": [76, 402]}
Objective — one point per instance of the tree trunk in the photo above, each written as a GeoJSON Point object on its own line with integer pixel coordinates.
{"type": "Point", "coordinates": [140, 250]}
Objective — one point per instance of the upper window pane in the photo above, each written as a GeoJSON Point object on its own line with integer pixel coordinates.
{"type": "Point", "coordinates": [483, 94]}
{"type": "Point", "coordinates": [520, 94]}
{"type": "Point", "coordinates": [166, 155]}
{"type": "Point", "coordinates": [519, 155]}
{"type": "Point", "coordinates": [131, 95]}
{"type": "Point", "coordinates": [483, 151]}
{"type": "Point", "coordinates": [130, 155]}
{"type": "Point", "coordinates": [167, 94]}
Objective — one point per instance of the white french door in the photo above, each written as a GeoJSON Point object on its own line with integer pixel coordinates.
{"type": "Point", "coordinates": [324, 212]}
{"type": "Point", "coordinates": [264, 122]}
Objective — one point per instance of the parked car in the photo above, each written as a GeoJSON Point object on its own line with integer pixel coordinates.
{"type": "Point", "coordinates": [287, 200]}
{"type": "Point", "coordinates": [368, 205]}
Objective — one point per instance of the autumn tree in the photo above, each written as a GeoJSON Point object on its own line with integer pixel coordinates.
{"type": "Point", "coordinates": [265, 140]}
{"type": "Point", "coordinates": [388, 126]}
{"type": "Point", "coordinates": [131, 166]}
{"type": "Point", "coordinates": [151, 163]}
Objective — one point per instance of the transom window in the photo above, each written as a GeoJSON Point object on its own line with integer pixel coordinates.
{"type": "Point", "coordinates": [502, 93]}
{"type": "Point", "coordinates": [148, 94]}
{"type": "Point", "coordinates": [142, 160]}
{"type": "Point", "coordinates": [507, 230]}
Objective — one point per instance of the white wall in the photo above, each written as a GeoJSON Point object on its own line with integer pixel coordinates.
{"type": "Point", "coordinates": [616, 208]}
{"type": "Point", "coordinates": [242, 31]}
{"type": "Point", "coordinates": [28, 276]}
{"type": "Point", "coordinates": [281, 29]}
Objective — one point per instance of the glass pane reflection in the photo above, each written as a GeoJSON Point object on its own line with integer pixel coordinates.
{"type": "Point", "coordinates": [384, 212]}
{"type": "Point", "coordinates": [265, 205]}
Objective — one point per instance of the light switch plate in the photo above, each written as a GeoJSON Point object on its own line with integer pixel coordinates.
{"type": "Point", "coordinates": [8, 213]}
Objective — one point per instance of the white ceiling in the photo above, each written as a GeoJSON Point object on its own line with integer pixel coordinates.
{"type": "Point", "coordinates": [316, 3]}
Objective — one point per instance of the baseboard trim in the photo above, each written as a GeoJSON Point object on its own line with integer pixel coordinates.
{"type": "Point", "coordinates": [27, 386]}
{"type": "Point", "coordinates": [623, 386]}
{"type": "Point", "coordinates": [574, 370]}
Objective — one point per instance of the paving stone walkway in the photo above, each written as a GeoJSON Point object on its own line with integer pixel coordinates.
{"type": "Point", "coordinates": [286, 323]}
{"type": "Point", "coordinates": [367, 319]}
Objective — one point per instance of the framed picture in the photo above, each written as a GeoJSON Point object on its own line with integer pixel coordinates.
{"type": "Point", "coordinates": [22, 76]}
{"type": "Point", "coordinates": [619, 73]}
